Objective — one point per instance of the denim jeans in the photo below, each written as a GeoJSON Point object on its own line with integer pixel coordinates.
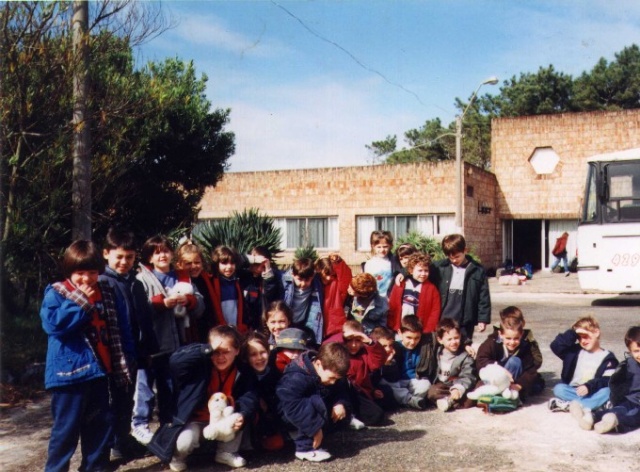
{"type": "Point", "coordinates": [592, 401]}
{"type": "Point", "coordinates": [628, 415]}
{"type": "Point", "coordinates": [144, 397]}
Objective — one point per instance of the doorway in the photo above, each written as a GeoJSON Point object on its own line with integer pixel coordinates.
{"type": "Point", "coordinates": [527, 240]}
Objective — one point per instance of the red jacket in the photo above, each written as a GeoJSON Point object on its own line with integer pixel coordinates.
{"type": "Point", "coordinates": [335, 293]}
{"type": "Point", "coordinates": [367, 360]}
{"type": "Point", "coordinates": [213, 287]}
{"type": "Point", "coordinates": [428, 307]}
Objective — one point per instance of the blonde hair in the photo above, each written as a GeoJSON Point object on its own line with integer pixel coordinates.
{"type": "Point", "coordinates": [588, 323]}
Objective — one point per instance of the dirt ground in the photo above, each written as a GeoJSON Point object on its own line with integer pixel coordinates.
{"type": "Point", "coordinates": [529, 439]}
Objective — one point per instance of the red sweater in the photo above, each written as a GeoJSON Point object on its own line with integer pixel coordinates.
{"type": "Point", "coordinates": [335, 293]}
{"type": "Point", "coordinates": [428, 307]}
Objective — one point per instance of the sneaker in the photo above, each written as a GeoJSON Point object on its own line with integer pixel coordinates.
{"type": "Point", "coordinates": [230, 459]}
{"type": "Point", "coordinates": [417, 403]}
{"type": "Point", "coordinates": [555, 404]}
{"type": "Point", "coordinates": [177, 464]}
{"type": "Point", "coordinates": [116, 454]}
{"type": "Point", "coordinates": [583, 416]}
{"type": "Point", "coordinates": [567, 274]}
{"type": "Point", "coordinates": [356, 424]}
{"type": "Point", "coordinates": [444, 404]}
{"type": "Point", "coordinates": [315, 455]}
{"type": "Point", "coordinates": [608, 422]}
{"type": "Point", "coordinates": [142, 434]}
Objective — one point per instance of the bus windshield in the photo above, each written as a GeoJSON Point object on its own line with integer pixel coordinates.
{"type": "Point", "coordinates": [612, 192]}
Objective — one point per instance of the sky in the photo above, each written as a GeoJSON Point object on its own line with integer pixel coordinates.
{"type": "Point", "coordinates": [310, 83]}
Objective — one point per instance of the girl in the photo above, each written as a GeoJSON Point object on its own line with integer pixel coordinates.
{"type": "Point", "coordinates": [276, 317]}
{"type": "Point", "coordinates": [157, 277]}
{"type": "Point", "coordinates": [228, 303]}
{"type": "Point", "coordinates": [381, 264]}
{"type": "Point", "coordinates": [200, 370]}
{"type": "Point", "coordinates": [335, 275]}
{"type": "Point", "coordinates": [260, 283]}
{"type": "Point", "coordinates": [365, 305]}
{"type": "Point", "coordinates": [80, 319]}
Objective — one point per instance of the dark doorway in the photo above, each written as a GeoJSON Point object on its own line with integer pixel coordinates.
{"type": "Point", "coordinates": [527, 242]}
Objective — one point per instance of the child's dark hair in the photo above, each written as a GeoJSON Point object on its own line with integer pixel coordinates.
{"type": "Point", "coordinates": [511, 312]}
{"type": "Point", "coordinates": [274, 307]}
{"type": "Point", "coordinates": [632, 336]}
{"type": "Point", "coordinates": [382, 332]}
{"type": "Point", "coordinates": [512, 323]}
{"type": "Point", "coordinates": [324, 267]}
{"type": "Point", "coordinates": [152, 245]}
{"type": "Point", "coordinates": [222, 255]}
{"type": "Point", "coordinates": [303, 268]}
{"type": "Point", "coordinates": [411, 323]}
{"type": "Point", "coordinates": [335, 358]}
{"type": "Point", "coordinates": [353, 325]}
{"type": "Point", "coordinates": [419, 258]}
{"type": "Point", "coordinates": [445, 325]}
{"type": "Point", "coordinates": [453, 244]}
{"type": "Point", "coordinates": [118, 238]}
{"type": "Point", "coordinates": [405, 249]}
{"type": "Point", "coordinates": [254, 337]}
{"type": "Point", "coordinates": [228, 332]}
{"type": "Point", "coordinates": [377, 236]}
{"type": "Point", "coordinates": [262, 251]}
{"type": "Point", "coordinates": [81, 255]}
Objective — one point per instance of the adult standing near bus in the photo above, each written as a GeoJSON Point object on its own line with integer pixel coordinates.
{"type": "Point", "coordinates": [560, 253]}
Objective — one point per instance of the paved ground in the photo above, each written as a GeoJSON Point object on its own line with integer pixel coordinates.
{"type": "Point", "coordinates": [529, 439]}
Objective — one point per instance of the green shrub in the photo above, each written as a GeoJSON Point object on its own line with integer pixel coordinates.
{"type": "Point", "coordinates": [430, 245]}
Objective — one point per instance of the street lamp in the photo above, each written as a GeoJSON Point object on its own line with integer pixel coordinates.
{"type": "Point", "coordinates": [459, 118]}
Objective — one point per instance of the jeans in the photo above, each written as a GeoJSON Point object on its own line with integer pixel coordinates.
{"type": "Point", "coordinates": [565, 263]}
{"type": "Point", "coordinates": [80, 413]}
{"type": "Point", "coordinates": [628, 415]}
{"type": "Point", "coordinates": [144, 397]}
{"type": "Point", "coordinates": [592, 401]}
{"type": "Point", "coordinates": [404, 389]}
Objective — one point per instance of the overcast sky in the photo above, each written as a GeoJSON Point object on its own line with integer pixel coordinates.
{"type": "Point", "coordinates": [310, 83]}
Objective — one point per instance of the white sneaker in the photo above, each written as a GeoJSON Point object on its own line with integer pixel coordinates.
{"type": "Point", "coordinates": [608, 422]}
{"type": "Point", "coordinates": [555, 404]}
{"type": "Point", "coordinates": [444, 404]}
{"type": "Point", "coordinates": [142, 434]}
{"type": "Point", "coordinates": [315, 455]}
{"type": "Point", "coordinates": [177, 464]}
{"type": "Point", "coordinates": [230, 459]}
{"type": "Point", "coordinates": [356, 424]}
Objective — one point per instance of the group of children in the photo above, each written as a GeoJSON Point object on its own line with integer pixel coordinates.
{"type": "Point", "coordinates": [297, 354]}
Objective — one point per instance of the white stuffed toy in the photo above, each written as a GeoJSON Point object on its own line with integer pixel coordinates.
{"type": "Point", "coordinates": [180, 288]}
{"type": "Point", "coordinates": [221, 419]}
{"type": "Point", "coordinates": [496, 380]}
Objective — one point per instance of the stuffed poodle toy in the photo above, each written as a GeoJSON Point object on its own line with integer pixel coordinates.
{"type": "Point", "coordinates": [221, 419]}
{"type": "Point", "coordinates": [180, 288]}
{"type": "Point", "coordinates": [496, 380]}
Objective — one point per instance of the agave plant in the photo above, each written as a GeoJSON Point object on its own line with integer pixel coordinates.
{"type": "Point", "coordinates": [241, 231]}
{"type": "Point", "coordinates": [308, 252]}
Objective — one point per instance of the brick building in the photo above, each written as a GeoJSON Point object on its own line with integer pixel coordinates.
{"type": "Point", "coordinates": [516, 211]}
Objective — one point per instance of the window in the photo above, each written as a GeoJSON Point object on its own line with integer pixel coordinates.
{"type": "Point", "coordinates": [401, 225]}
{"type": "Point", "coordinates": [322, 233]}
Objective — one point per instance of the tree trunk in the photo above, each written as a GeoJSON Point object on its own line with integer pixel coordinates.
{"type": "Point", "coordinates": [81, 187]}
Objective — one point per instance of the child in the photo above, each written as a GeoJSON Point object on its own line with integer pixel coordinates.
{"type": "Point", "coordinates": [304, 294]}
{"type": "Point", "coordinates": [382, 393]}
{"type": "Point", "coordinates": [335, 275]}
{"type": "Point", "coordinates": [586, 367]}
{"type": "Point", "coordinates": [624, 412]}
{"type": "Point", "coordinates": [415, 296]}
{"type": "Point", "coordinates": [291, 343]}
{"type": "Point", "coordinates": [277, 317]}
{"type": "Point", "coordinates": [228, 300]}
{"type": "Point", "coordinates": [200, 370]}
{"type": "Point", "coordinates": [365, 304]}
{"type": "Point", "coordinates": [452, 370]}
{"type": "Point", "coordinates": [189, 259]}
{"type": "Point", "coordinates": [463, 287]}
{"type": "Point", "coordinates": [509, 348]}
{"type": "Point", "coordinates": [157, 277]}
{"type": "Point", "coordinates": [79, 316]}
{"type": "Point", "coordinates": [403, 252]}
{"type": "Point", "coordinates": [411, 360]}
{"type": "Point", "coordinates": [310, 399]}
{"type": "Point", "coordinates": [136, 330]}
{"type": "Point", "coordinates": [260, 286]}
{"type": "Point", "coordinates": [382, 263]}
{"type": "Point", "coordinates": [366, 356]}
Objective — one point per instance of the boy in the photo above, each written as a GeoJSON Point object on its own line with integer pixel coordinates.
{"type": "Point", "coordinates": [452, 369]}
{"type": "Point", "coordinates": [463, 287]}
{"type": "Point", "coordinates": [260, 284]}
{"type": "Point", "coordinates": [304, 294]}
{"type": "Point", "coordinates": [586, 368]}
{"type": "Point", "coordinates": [624, 413]}
{"type": "Point", "coordinates": [366, 356]}
{"type": "Point", "coordinates": [383, 394]}
{"type": "Point", "coordinates": [411, 360]}
{"type": "Point", "coordinates": [365, 304]}
{"type": "Point", "coordinates": [415, 295]}
{"type": "Point", "coordinates": [511, 350]}
{"type": "Point", "coordinates": [310, 395]}
{"type": "Point", "coordinates": [136, 330]}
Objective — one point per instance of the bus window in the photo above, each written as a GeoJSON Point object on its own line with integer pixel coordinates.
{"type": "Point", "coordinates": [591, 198]}
{"type": "Point", "coordinates": [623, 181]}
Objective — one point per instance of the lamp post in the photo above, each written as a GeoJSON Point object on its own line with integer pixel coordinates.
{"type": "Point", "coordinates": [459, 118]}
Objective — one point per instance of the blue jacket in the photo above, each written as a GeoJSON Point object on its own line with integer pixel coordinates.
{"type": "Point", "coordinates": [566, 347]}
{"type": "Point", "coordinates": [304, 401]}
{"type": "Point", "coordinates": [625, 382]}
{"type": "Point", "coordinates": [314, 319]}
{"type": "Point", "coordinates": [70, 357]}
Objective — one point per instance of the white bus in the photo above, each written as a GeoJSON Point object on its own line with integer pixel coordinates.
{"type": "Point", "coordinates": [609, 229]}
